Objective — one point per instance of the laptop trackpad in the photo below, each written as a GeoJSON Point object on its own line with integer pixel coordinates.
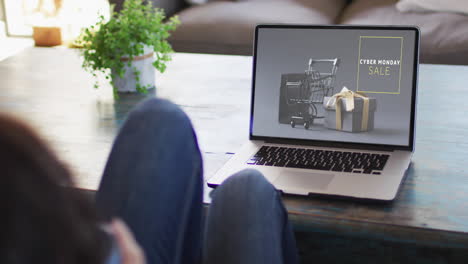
{"type": "Point", "coordinates": [302, 182]}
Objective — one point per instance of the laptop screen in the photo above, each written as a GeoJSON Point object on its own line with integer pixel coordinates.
{"type": "Point", "coordinates": [336, 84]}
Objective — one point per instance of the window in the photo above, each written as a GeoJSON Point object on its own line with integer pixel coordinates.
{"type": "Point", "coordinates": [69, 15]}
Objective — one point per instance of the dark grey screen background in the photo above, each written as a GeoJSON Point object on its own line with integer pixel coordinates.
{"type": "Point", "coordinates": [287, 50]}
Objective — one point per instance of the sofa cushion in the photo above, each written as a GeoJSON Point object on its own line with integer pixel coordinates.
{"type": "Point", "coordinates": [455, 6]}
{"type": "Point", "coordinates": [202, 2]}
{"type": "Point", "coordinates": [227, 27]}
{"type": "Point", "coordinates": [444, 36]}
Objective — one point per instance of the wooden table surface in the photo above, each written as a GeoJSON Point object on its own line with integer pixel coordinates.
{"type": "Point", "coordinates": [48, 88]}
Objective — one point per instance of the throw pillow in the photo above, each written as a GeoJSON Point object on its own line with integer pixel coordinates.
{"type": "Point", "coordinates": [456, 6]}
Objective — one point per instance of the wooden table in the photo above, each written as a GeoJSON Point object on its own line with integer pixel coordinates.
{"type": "Point", "coordinates": [428, 221]}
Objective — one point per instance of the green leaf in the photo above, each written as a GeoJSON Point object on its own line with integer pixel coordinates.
{"type": "Point", "coordinates": [137, 25]}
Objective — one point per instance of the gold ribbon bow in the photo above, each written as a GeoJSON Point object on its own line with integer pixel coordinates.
{"type": "Point", "coordinates": [349, 96]}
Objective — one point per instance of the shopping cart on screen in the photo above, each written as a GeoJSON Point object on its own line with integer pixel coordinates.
{"type": "Point", "coordinates": [303, 95]}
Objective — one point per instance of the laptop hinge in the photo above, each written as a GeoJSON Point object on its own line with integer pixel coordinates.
{"type": "Point", "coordinates": [329, 144]}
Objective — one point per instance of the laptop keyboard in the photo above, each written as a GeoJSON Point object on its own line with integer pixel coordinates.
{"type": "Point", "coordinates": [317, 159]}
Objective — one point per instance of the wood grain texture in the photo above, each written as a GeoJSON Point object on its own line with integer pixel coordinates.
{"type": "Point", "coordinates": [48, 88]}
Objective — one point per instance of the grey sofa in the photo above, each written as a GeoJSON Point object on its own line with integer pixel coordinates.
{"type": "Point", "coordinates": [226, 27]}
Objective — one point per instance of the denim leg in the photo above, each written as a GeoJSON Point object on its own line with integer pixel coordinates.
{"type": "Point", "coordinates": [247, 223]}
{"type": "Point", "coordinates": [153, 181]}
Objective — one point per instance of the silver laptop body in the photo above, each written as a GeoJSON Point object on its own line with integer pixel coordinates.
{"type": "Point", "coordinates": [333, 110]}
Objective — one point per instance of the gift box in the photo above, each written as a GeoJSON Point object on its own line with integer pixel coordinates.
{"type": "Point", "coordinates": [353, 115]}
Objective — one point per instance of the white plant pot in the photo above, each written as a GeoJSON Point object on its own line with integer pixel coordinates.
{"type": "Point", "coordinates": [144, 64]}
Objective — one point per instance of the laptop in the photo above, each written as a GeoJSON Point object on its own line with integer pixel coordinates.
{"type": "Point", "coordinates": [332, 110]}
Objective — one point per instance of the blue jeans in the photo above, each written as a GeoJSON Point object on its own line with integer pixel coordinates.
{"type": "Point", "coordinates": [153, 180]}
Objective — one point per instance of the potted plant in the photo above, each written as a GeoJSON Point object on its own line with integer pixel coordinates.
{"type": "Point", "coordinates": [128, 47]}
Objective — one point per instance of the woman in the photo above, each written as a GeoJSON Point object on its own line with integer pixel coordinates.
{"type": "Point", "coordinates": [153, 181]}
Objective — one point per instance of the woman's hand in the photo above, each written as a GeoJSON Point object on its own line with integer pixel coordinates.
{"type": "Point", "coordinates": [130, 251]}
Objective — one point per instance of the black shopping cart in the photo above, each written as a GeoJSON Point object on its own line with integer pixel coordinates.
{"type": "Point", "coordinates": [304, 93]}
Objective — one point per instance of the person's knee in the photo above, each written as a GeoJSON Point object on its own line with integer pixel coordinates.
{"type": "Point", "coordinates": [156, 106]}
{"type": "Point", "coordinates": [251, 181]}
{"type": "Point", "coordinates": [162, 110]}
{"type": "Point", "coordinates": [247, 176]}
{"type": "Point", "coordinates": [245, 196]}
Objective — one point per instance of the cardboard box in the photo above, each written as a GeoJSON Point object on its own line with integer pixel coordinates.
{"type": "Point", "coordinates": [351, 121]}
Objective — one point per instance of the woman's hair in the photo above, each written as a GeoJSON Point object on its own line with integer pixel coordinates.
{"type": "Point", "coordinates": [42, 220]}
